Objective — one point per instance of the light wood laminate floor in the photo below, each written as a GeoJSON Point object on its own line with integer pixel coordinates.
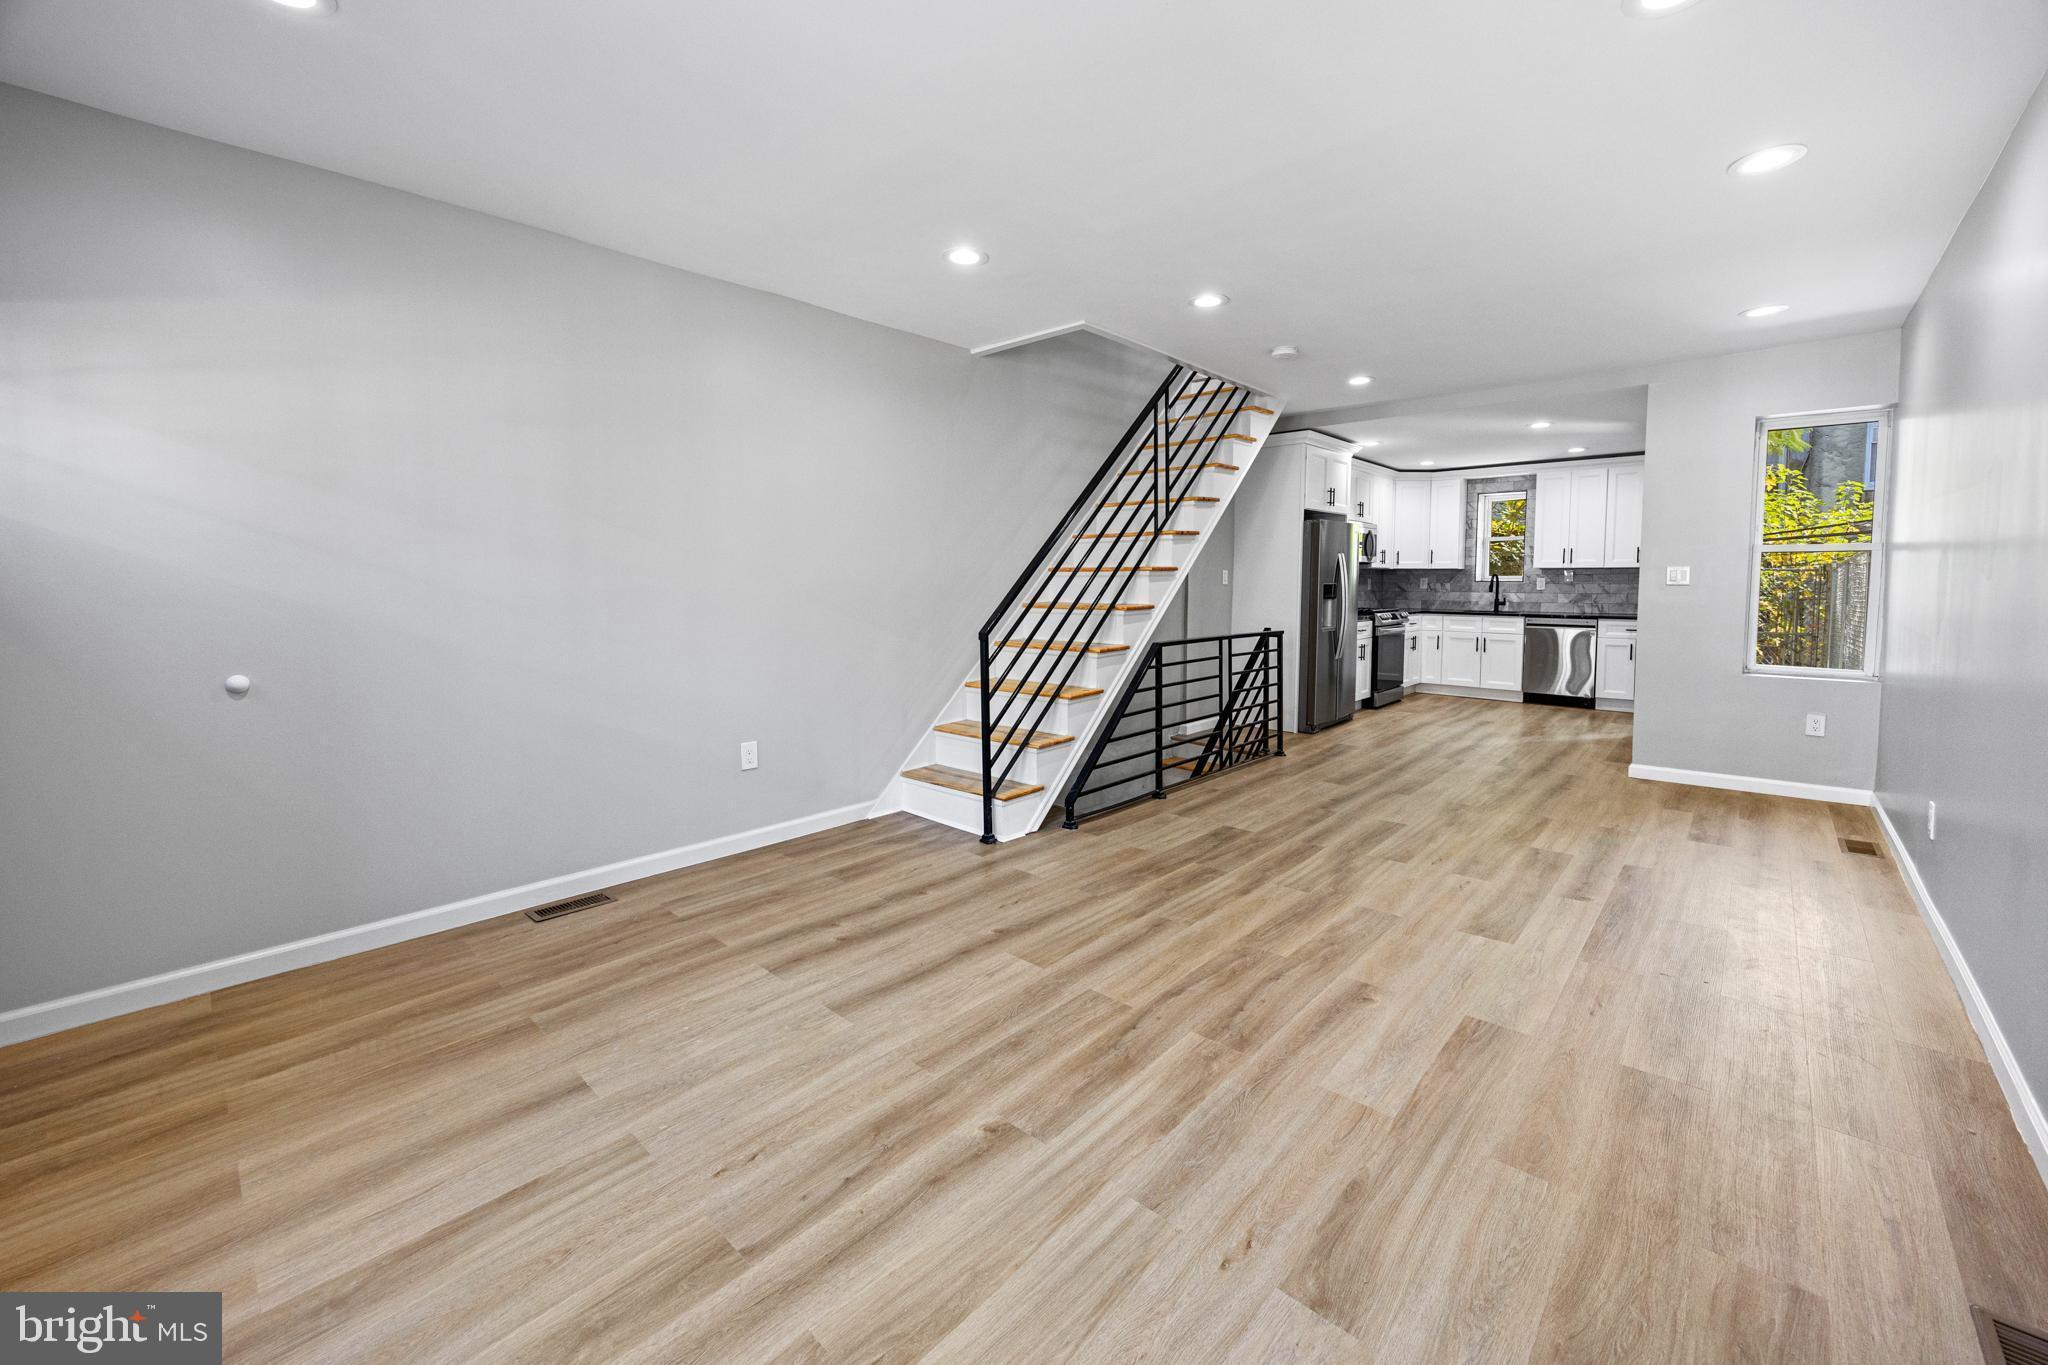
{"type": "Point", "coordinates": [1438, 1039]}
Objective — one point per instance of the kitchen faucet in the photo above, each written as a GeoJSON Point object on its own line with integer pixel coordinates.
{"type": "Point", "coordinates": [1493, 585]}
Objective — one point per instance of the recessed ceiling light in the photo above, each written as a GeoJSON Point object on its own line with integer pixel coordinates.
{"type": "Point", "coordinates": [1576, 450]}
{"type": "Point", "coordinates": [307, 6]}
{"type": "Point", "coordinates": [1369, 445]}
{"type": "Point", "coordinates": [1425, 463]}
{"type": "Point", "coordinates": [1209, 300]}
{"type": "Point", "coordinates": [1651, 9]}
{"type": "Point", "coordinates": [1765, 310]}
{"type": "Point", "coordinates": [1768, 160]}
{"type": "Point", "coordinates": [1538, 426]}
{"type": "Point", "coordinates": [1359, 381]}
{"type": "Point", "coordinates": [959, 255]}
{"type": "Point", "coordinates": [1284, 352]}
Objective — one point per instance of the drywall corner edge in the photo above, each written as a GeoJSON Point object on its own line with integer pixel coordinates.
{"type": "Point", "coordinates": [54, 1016]}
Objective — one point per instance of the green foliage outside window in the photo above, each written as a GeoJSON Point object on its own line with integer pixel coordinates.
{"type": "Point", "coordinates": [1811, 603]}
{"type": "Point", "coordinates": [1507, 537]}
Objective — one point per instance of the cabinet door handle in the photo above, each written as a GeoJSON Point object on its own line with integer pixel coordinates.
{"type": "Point", "coordinates": [1329, 497]}
{"type": "Point", "coordinates": [1631, 651]}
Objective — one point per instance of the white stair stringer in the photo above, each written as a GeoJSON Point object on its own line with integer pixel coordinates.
{"type": "Point", "coordinates": [1054, 767]}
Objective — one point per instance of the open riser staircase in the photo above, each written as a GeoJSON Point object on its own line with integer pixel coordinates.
{"type": "Point", "coordinates": [1066, 638]}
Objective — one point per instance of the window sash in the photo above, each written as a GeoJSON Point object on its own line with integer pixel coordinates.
{"type": "Point", "coordinates": [1483, 561]}
{"type": "Point", "coordinates": [1873, 547]}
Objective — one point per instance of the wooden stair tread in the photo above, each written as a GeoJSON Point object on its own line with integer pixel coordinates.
{"type": "Point", "coordinates": [960, 780]}
{"type": "Point", "coordinates": [1207, 393]}
{"type": "Point", "coordinates": [1201, 440]}
{"type": "Point", "coordinates": [1128, 535]}
{"type": "Point", "coordinates": [1004, 734]}
{"type": "Point", "coordinates": [1111, 568]}
{"type": "Point", "coordinates": [1089, 606]}
{"type": "Point", "coordinates": [1173, 469]}
{"type": "Point", "coordinates": [1198, 416]}
{"type": "Point", "coordinates": [1153, 502]}
{"type": "Point", "coordinates": [1065, 692]}
{"type": "Point", "coordinates": [1063, 646]}
{"type": "Point", "coordinates": [1182, 762]}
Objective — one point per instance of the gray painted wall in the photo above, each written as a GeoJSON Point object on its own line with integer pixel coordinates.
{"type": "Point", "coordinates": [1695, 707]}
{"type": "Point", "coordinates": [1966, 638]}
{"type": "Point", "coordinates": [517, 537]}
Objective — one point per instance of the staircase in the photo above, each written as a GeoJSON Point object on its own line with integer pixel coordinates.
{"type": "Point", "coordinates": [1075, 624]}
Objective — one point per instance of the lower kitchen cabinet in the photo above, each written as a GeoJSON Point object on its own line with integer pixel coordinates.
{"type": "Point", "coordinates": [1500, 660]}
{"type": "Point", "coordinates": [1614, 673]}
{"type": "Point", "coordinates": [1425, 650]}
{"type": "Point", "coordinates": [1479, 652]}
{"type": "Point", "coordinates": [1461, 651]}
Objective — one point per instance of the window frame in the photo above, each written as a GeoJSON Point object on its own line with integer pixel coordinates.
{"type": "Point", "coordinates": [1880, 516]}
{"type": "Point", "coordinates": [1482, 518]}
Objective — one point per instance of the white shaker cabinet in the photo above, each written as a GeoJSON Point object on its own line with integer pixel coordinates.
{"type": "Point", "coordinates": [1460, 651]}
{"type": "Point", "coordinates": [1411, 524]}
{"type": "Point", "coordinates": [1614, 674]}
{"type": "Point", "coordinates": [1625, 517]}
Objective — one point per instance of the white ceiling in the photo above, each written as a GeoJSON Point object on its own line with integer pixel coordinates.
{"type": "Point", "coordinates": [1446, 195]}
{"type": "Point", "coordinates": [1605, 422]}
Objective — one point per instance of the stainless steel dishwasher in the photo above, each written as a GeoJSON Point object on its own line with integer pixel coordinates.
{"type": "Point", "coordinates": [1557, 660]}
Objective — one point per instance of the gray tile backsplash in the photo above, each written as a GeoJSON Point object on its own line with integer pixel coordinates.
{"type": "Point", "coordinates": [1610, 592]}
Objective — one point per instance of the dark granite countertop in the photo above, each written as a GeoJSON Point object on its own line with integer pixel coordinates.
{"type": "Point", "coordinates": [1524, 612]}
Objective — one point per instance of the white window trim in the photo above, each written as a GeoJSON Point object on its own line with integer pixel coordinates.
{"type": "Point", "coordinates": [1879, 541]}
{"type": "Point", "coordinates": [1484, 524]}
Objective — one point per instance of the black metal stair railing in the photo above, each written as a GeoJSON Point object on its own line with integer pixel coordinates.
{"type": "Point", "coordinates": [1195, 707]}
{"type": "Point", "coordinates": [1104, 542]}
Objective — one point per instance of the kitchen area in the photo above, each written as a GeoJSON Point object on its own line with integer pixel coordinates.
{"type": "Point", "coordinates": [1490, 553]}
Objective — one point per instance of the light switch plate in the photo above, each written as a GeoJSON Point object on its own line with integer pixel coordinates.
{"type": "Point", "coordinates": [1678, 575]}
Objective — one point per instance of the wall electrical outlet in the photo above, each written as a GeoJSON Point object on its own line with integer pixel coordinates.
{"type": "Point", "coordinates": [1816, 725]}
{"type": "Point", "coordinates": [1226, 578]}
{"type": "Point", "coordinates": [1930, 822]}
{"type": "Point", "coordinates": [1678, 575]}
{"type": "Point", "coordinates": [750, 755]}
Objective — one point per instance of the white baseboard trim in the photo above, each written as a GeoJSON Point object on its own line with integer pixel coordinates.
{"type": "Point", "coordinates": [2019, 1097]}
{"type": "Point", "coordinates": [53, 1016]}
{"type": "Point", "coordinates": [1762, 786]}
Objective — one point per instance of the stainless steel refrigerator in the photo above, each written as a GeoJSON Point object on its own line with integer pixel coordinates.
{"type": "Point", "coordinates": [1329, 623]}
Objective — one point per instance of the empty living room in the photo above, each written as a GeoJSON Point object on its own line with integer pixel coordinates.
{"type": "Point", "coordinates": [1007, 684]}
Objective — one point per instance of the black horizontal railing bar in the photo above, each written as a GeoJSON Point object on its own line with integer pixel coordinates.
{"type": "Point", "coordinates": [1249, 715]}
{"type": "Point", "coordinates": [1043, 679]}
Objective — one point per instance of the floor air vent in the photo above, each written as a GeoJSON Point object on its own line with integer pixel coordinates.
{"type": "Point", "coordinates": [2005, 1344]}
{"type": "Point", "coordinates": [1863, 846]}
{"type": "Point", "coordinates": [567, 907]}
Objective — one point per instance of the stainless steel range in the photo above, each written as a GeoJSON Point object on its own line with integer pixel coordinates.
{"type": "Point", "coordinates": [1389, 662]}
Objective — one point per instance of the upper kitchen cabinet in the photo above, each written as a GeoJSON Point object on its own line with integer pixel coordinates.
{"type": "Point", "coordinates": [1428, 528]}
{"type": "Point", "coordinates": [1447, 523]}
{"type": "Point", "coordinates": [1373, 489]}
{"type": "Point", "coordinates": [1589, 518]}
{"type": "Point", "coordinates": [1410, 531]}
{"type": "Point", "coordinates": [1625, 517]}
{"type": "Point", "coordinates": [1325, 470]}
